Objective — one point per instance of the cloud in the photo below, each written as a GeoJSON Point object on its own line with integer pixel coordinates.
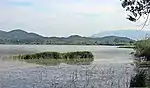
{"type": "Point", "coordinates": [90, 9]}
{"type": "Point", "coordinates": [63, 17]}
{"type": "Point", "coordinates": [77, 6]}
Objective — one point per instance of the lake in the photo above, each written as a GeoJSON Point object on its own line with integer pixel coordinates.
{"type": "Point", "coordinates": [112, 68]}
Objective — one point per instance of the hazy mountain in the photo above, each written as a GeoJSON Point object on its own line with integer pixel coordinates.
{"type": "Point", "coordinates": [116, 39]}
{"type": "Point", "coordinates": [133, 34]}
{"type": "Point", "coordinates": [18, 34]}
{"type": "Point", "coordinates": [23, 37]}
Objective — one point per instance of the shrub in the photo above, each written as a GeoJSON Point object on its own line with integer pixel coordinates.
{"type": "Point", "coordinates": [143, 49]}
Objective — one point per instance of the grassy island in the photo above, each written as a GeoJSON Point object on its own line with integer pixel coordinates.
{"type": "Point", "coordinates": [48, 58]}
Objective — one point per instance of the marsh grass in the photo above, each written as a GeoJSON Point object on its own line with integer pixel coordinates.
{"type": "Point", "coordinates": [55, 58]}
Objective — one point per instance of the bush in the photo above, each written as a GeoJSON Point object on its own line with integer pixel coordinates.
{"type": "Point", "coordinates": [143, 49]}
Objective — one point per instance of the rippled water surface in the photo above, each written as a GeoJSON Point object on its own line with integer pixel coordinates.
{"type": "Point", "coordinates": [111, 68]}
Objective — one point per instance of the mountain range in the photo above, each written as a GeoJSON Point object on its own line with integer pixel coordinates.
{"type": "Point", "coordinates": [22, 37]}
{"type": "Point", "coordinates": [133, 34]}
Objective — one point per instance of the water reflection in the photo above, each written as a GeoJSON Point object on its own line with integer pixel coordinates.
{"type": "Point", "coordinates": [50, 62]}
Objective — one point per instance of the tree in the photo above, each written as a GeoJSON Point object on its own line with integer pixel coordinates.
{"type": "Point", "coordinates": [137, 9]}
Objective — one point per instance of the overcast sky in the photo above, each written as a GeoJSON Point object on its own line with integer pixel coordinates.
{"type": "Point", "coordinates": [63, 17]}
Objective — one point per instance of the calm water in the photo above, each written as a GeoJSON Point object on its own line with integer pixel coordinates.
{"type": "Point", "coordinates": [111, 68]}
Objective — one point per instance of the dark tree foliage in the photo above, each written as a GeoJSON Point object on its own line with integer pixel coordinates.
{"type": "Point", "coordinates": [137, 8]}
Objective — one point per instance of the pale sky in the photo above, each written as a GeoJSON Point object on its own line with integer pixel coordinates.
{"type": "Point", "coordinates": [63, 17]}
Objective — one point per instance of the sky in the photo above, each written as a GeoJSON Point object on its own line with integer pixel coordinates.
{"type": "Point", "coordinates": [64, 17]}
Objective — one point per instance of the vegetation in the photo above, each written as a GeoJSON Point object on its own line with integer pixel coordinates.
{"type": "Point", "coordinates": [142, 78]}
{"type": "Point", "coordinates": [142, 63]}
{"type": "Point", "coordinates": [143, 49]}
{"type": "Point", "coordinates": [139, 80]}
{"type": "Point", "coordinates": [47, 58]}
{"type": "Point", "coordinates": [56, 55]}
{"type": "Point", "coordinates": [137, 9]}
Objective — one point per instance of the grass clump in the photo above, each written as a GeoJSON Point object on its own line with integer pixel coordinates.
{"type": "Point", "coordinates": [56, 55]}
{"type": "Point", "coordinates": [54, 58]}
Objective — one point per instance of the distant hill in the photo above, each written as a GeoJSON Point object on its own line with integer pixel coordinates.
{"type": "Point", "coordinates": [133, 34]}
{"type": "Point", "coordinates": [115, 39]}
{"type": "Point", "coordinates": [18, 34]}
{"type": "Point", "coordinates": [23, 37]}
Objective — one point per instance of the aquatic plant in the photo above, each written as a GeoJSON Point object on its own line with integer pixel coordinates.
{"type": "Point", "coordinates": [57, 55]}
{"type": "Point", "coordinates": [55, 58]}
